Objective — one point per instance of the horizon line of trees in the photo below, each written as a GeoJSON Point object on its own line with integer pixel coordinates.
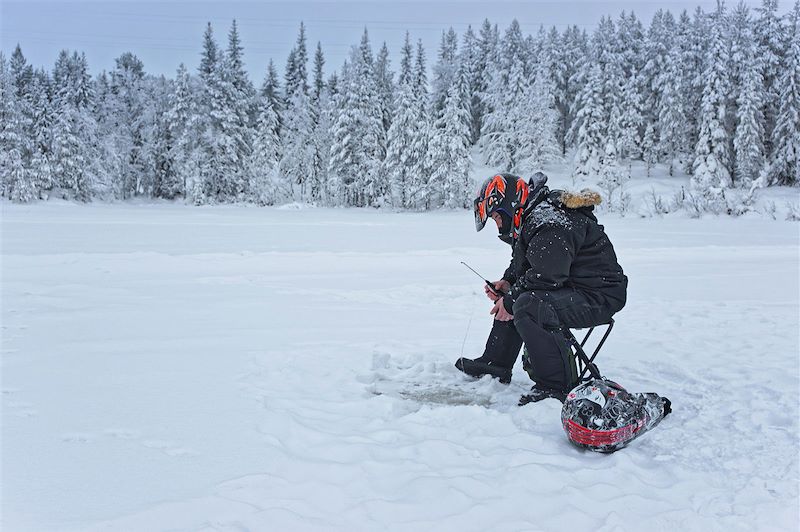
{"type": "Point", "coordinates": [716, 95]}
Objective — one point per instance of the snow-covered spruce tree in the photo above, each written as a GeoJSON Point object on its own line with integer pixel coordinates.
{"type": "Point", "coordinates": [224, 142]}
{"type": "Point", "coordinates": [672, 120]}
{"type": "Point", "coordinates": [72, 154]}
{"type": "Point", "coordinates": [628, 66]}
{"type": "Point", "coordinates": [468, 64]}
{"type": "Point", "coordinates": [769, 33]}
{"type": "Point", "coordinates": [320, 136]}
{"type": "Point", "coordinates": [538, 123]}
{"type": "Point", "coordinates": [14, 177]}
{"type": "Point", "coordinates": [356, 132]}
{"type": "Point", "coordinates": [297, 154]}
{"type": "Point", "coordinates": [166, 181]}
{"type": "Point", "coordinates": [75, 156]}
{"type": "Point", "coordinates": [562, 53]}
{"type": "Point", "coordinates": [589, 127]}
{"type": "Point", "coordinates": [263, 162]}
{"type": "Point", "coordinates": [749, 96]}
{"type": "Point", "coordinates": [384, 84]}
{"type": "Point", "coordinates": [182, 120]}
{"type": "Point", "coordinates": [693, 61]}
{"type": "Point", "coordinates": [240, 105]}
{"type": "Point", "coordinates": [406, 73]}
{"type": "Point", "coordinates": [448, 152]}
{"type": "Point", "coordinates": [784, 166]}
{"type": "Point", "coordinates": [201, 172]}
{"type": "Point", "coordinates": [488, 40]}
{"type": "Point", "coordinates": [323, 136]}
{"type": "Point", "coordinates": [332, 104]}
{"type": "Point", "coordinates": [418, 188]}
{"type": "Point", "coordinates": [271, 91]}
{"type": "Point", "coordinates": [444, 71]}
{"type": "Point", "coordinates": [16, 120]}
{"type": "Point", "coordinates": [712, 153]}
{"type": "Point", "coordinates": [650, 143]}
{"type": "Point", "coordinates": [500, 136]}
{"type": "Point", "coordinates": [128, 114]}
{"type": "Point", "coordinates": [43, 119]}
{"type": "Point", "coordinates": [22, 79]}
{"type": "Point", "coordinates": [404, 162]}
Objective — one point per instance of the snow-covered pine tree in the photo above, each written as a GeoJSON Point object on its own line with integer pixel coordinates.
{"type": "Point", "coordinates": [166, 182]}
{"type": "Point", "coordinates": [318, 82]}
{"type": "Point", "coordinates": [332, 105]}
{"type": "Point", "coordinates": [748, 147]}
{"type": "Point", "coordinates": [182, 120]}
{"type": "Point", "coordinates": [420, 73]}
{"type": "Point", "coordinates": [693, 60]}
{"type": "Point", "coordinates": [418, 191]}
{"type": "Point", "coordinates": [406, 73]}
{"type": "Point", "coordinates": [384, 79]}
{"type": "Point", "coordinates": [672, 120]}
{"type": "Point", "coordinates": [297, 154]}
{"type": "Point", "coordinates": [629, 65]}
{"type": "Point", "coordinates": [500, 136]}
{"type": "Point", "coordinates": [43, 119]}
{"type": "Point", "coordinates": [72, 164]}
{"type": "Point", "coordinates": [201, 173]}
{"type": "Point", "coordinates": [712, 153]}
{"type": "Point", "coordinates": [271, 91]}
{"type": "Point", "coordinates": [470, 76]}
{"type": "Point", "coordinates": [15, 181]}
{"type": "Point", "coordinates": [240, 105]}
{"type": "Point", "coordinates": [402, 161]}
{"type": "Point", "coordinates": [403, 164]}
{"type": "Point", "coordinates": [589, 127]}
{"type": "Point", "coordinates": [263, 162]}
{"type": "Point", "coordinates": [224, 133]}
{"type": "Point", "coordinates": [650, 144]}
{"type": "Point", "coordinates": [488, 39]}
{"type": "Point", "coordinates": [355, 151]}
{"type": "Point", "coordinates": [444, 71]}
{"type": "Point", "coordinates": [770, 34]}
{"type": "Point", "coordinates": [21, 79]}
{"type": "Point", "coordinates": [448, 153]}
{"type": "Point", "coordinates": [130, 114]}
{"type": "Point", "coordinates": [75, 159]}
{"type": "Point", "coordinates": [784, 167]}
{"type": "Point", "coordinates": [320, 134]}
{"type": "Point", "coordinates": [569, 72]}
{"type": "Point", "coordinates": [538, 122]}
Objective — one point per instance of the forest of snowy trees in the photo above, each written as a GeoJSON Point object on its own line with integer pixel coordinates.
{"type": "Point", "coordinates": [715, 95]}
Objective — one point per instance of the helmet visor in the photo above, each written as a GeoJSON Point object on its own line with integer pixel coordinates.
{"type": "Point", "coordinates": [481, 215]}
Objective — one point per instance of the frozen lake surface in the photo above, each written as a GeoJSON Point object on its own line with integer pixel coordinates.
{"type": "Point", "coordinates": [239, 368]}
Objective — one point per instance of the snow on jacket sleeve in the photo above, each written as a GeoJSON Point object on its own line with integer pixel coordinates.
{"type": "Point", "coordinates": [543, 258]}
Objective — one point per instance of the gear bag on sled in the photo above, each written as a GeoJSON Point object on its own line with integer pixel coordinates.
{"type": "Point", "coordinates": [599, 414]}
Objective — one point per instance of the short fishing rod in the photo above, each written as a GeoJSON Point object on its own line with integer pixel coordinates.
{"type": "Point", "coordinates": [495, 291]}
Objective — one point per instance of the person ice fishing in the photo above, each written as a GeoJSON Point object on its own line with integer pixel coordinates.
{"type": "Point", "coordinates": [563, 273]}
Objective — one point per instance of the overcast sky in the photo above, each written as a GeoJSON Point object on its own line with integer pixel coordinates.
{"type": "Point", "coordinates": [164, 34]}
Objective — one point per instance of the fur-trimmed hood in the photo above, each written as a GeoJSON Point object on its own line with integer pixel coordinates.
{"type": "Point", "coordinates": [578, 200]}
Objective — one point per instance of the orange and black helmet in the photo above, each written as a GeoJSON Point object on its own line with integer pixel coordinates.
{"type": "Point", "coordinates": [505, 194]}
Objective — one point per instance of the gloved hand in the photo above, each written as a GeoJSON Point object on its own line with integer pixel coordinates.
{"type": "Point", "coordinates": [502, 286]}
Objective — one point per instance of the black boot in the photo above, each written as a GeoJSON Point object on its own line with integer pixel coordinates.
{"type": "Point", "coordinates": [498, 358]}
{"type": "Point", "coordinates": [481, 366]}
{"type": "Point", "coordinates": [539, 393]}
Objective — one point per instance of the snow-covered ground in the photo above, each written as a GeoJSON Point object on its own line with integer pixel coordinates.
{"type": "Point", "coordinates": [240, 368]}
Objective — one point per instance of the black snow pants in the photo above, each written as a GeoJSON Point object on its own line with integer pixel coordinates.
{"type": "Point", "coordinates": [538, 317]}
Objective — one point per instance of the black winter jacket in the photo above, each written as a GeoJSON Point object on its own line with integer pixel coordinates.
{"type": "Point", "coordinates": [562, 245]}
